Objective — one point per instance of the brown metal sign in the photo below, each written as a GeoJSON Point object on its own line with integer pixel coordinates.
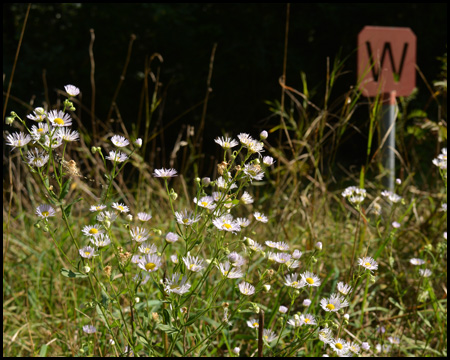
{"type": "Point", "coordinates": [386, 60]}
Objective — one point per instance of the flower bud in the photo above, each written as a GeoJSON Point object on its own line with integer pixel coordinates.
{"type": "Point", "coordinates": [138, 142]}
{"type": "Point", "coordinates": [9, 120]}
{"type": "Point", "coordinates": [236, 351]}
{"type": "Point", "coordinates": [318, 245]}
{"type": "Point", "coordinates": [346, 316]}
{"type": "Point", "coordinates": [38, 111]}
{"type": "Point", "coordinates": [283, 309]}
{"type": "Point", "coordinates": [263, 135]}
{"type": "Point", "coordinates": [306, 302]}
{"type": "Point", "coordinates": [72, 108]}
{"type": "Point", "coordinates": [86, 269]}
{"type": "Point", "coordinates": [173, 195]}
{"type": "Point", "coordinates": [129, 217]}
{"type": "Point", "coordinates": [136, 299]}
{"type": "Point", "coordinates": [206, 181]}
{"type": "Point", "coordinates": [365, 346]}
{"type": "Point", "coordinates": [266, 288]}
{"type": "Point", "coordinates": [93, 149]}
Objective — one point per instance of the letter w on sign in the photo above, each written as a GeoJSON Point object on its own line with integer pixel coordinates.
{"type": "Point", "coordinates": [386, 60]}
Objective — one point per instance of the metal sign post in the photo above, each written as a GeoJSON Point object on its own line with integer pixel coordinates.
{"type": "Point", "coordinates": [387, 67]}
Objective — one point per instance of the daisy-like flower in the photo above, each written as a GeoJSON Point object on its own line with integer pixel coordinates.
{"type": "Point", "coordinates": [310, 279]}
{"type": "Point", "coordinates": [139, 234]}
{"type": "Point", "coordinates": [326, 335]}
{"type": "Point", "coordinates": [119, 141]}
{"type": "Point", "coordinates": [368, 263]}
{"type": "Point", "coordinates": [308, 319]}
{"type": "Point", "coordinates": [365, 346]}
{"type": "Point", "coordinates": [392, 197]}
{"type": "Point", "coordinates": [246, 288]}
{"type": "Point", "coordinates": [283, 309]}
{"type": "Point", "coordinates": [254, 172]}
{"type": "Point", "coordinates": [165, 173]}
{"type": "Point", "coordinates": [227, 223]}
{"type": "Point", "coordinates": [246, 198]}
{"type": "Point", "coordinates": [230, 271]}
{"type": "Point", "coordinates": [174, 258]}
{"type": "Point", "coordinates": [334, 303]}
{"type": "Point", "coordinates": [142, 216]}
{"type": "Point", "coordinates": [66, 134]}
{"type": "Point", "coordinates": [282, 258]}
{"type": "Point", "coordinates": [90, 230]}
{"type": "Point", "coordinates": [72, 90]}
{"type": "Point", "coordinates": [87, 252]}
{"type": "Point", "coordinates": [244, 138]}
{"type": "Point", "coordinates": [142, 278]}
{"type": "Point", "coordinates": [17, 140]}
{"type": "Point", "coordinates": [268, 160]}
{"type": "Point", "coordinates": [396, 225]}
{"type": "Point", "coordinates": [136, 258]}
{"type": "Point", "coordinates": [441, 160]}
{"type": "Point", "coordinates": [89, 329]}
{"type": "Point", "coordinates": [98, 207]}
{"type": "Point", "coordinates": [269, 335]}
{"type": "Point", "coordinates": [253, 323]}
{"type": "Point", "coordinates": [343, 288]}
{"type": "Point", "coordinates": [340, 346]}
{"type": "Point", "coordinates": [235, 259]}
{"type": "Point", "coordinates": [45, 211]}
{"type": "Point", "coordinates": [101, 240]}
{"type": "Point", "coordinates": [272, 244]}
{"type": "Point", "coordinates": [295, 322]}
{"type": "Point", "coordinates": [37, 158]}
{"type": "Point", "coordinates": [394, 340]}
{"type": "Point", "coordinates": [292, 281]}
{"type": "Point", "coordinates": [150, 263]}
{"type": "Point", "coordinates": [147, 248]}
{"type": "Point", "coordinates": [221, 183]}
{"type": "Point", "coordinates": [116, 156]}
{"type": "Point", "coordinates": [192, 263]}
{"type": "Point", "coordinates": [58, 118]}
{"type": "Point", "coordinates": [38, 131]}
{"type": "Point", "coordinates": [206, 202]}
{"type": "Point", "coordinates": [260, 217]}
{"type": "Point", "coordinates": [107, 215]}
{"type": "Point", "coordinates": [120, 207]}
{"type": "Point", "coordinates": [354, 347]}
{"type": "Point", "coordinates": [38, 115]}
{"type": "Point", "coordinates": [425, 272]}
{"type": "Point", "coordinates": [354, 195]}
{"type": "Point", "coordinates": [297, 254]}
{"type": "Point", "coordinates": [280, 245]}
{"type": "Point", "coordinates": [172, 237]}
{"type": "Point", "coordinates": [416, 261]}
{"type": "Point", "coordinates": [186, 218]}
{"type": "Point", "coordinates": [253, 245]}
{"type": "Point", "coordinates": [243, 222]}
{"type": "Point", "coordinates": [306, 302]}
{"type": "Point", "coordinates": [54, 142]}
{"type": "Point", "coordinates": [175, 285]}
{"type": "Point", "coordinates": [226, 143]}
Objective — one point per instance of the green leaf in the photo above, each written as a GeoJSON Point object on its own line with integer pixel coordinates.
{"type": "Point", "coordinates": [65, 189]}
{"type": "Point", "coordinates": [43, 351]}
{"type": "Point", "coordinates": [169, 329]}
{"type": "Point", "coordinates": [71, 274]}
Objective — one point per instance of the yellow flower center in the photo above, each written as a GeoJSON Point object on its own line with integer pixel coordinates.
{"type": "Point", "coordinates": [87, 253]}
{"type": "Point", "coordinates": [367, 264]}
{"type": "Point", "coordinates": [204, 203]}
{"type": "Point", "coordinates": [150, 266]}
{"type": "Point", "coordinates": [40, 130]}
{"type": "Point", "coordinates": [45, 213]}
{"type": "Point", "coordinates": [306, 320]}
{"type": "Point", "coordinates": [18, 142]}
{"type": "Point", "coordinates": [121, 208]}
{"type": "Point", "coordinates": [255, 324]}
{"type": "Point", "coordinates": [227, 226]}
{"type": "Point", "coordinates": [93, 231]}
{"type": "Point", "coordinates": [147, 250]}
{"type": "Point", "coordinates": [310, 281]}
{"type": "Point", "coordinates": [330, 307]}
{"type": "Point", "coordinates": [295, 283]}
{"type": "Point", "coordinates": [339, 346]}
{"type": "Point", "coordinates": [191, 266]}
{"type": "Point", "coordinates": [139, 236]}
{"type": "Point", "coordinates": [59, 121]}
{"type": "Point", "coordinates": [185, 221]}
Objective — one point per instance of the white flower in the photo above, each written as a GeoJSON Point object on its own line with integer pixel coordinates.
{"type": "Point", "coordinates": [292, 281]}
{"type": "Point", "coordinates": [193, 263]}
{"type": "Point", "coordinates": [246, 198]}
{"type": "Point", "coordinates": [59, 118]}
{"type": "Point", "coordinates": [174, 258]}
{"type": "Point", "coordinates": [223, 184]}
{"type": "Point", "coordinates": [147, 248]}
{"type": "Point", "coordinates": [142, 277]}
{"type": "Point", "coordinates": [54, 142]}
{"type": "Point", "coordinates": [236, 351]}
{"type": "Point", "coordinates": [165, 173]}
{"type": "Point", "coordinates": [343, 288]}
{"type": "Point", "coordinates": [138, 142]}
{"type": "Point", "coordinates": [120, 207]}
{"type": "Point", "coordinates": [368, 263]}
{"type": "Point", "coordinates": [269, 335]}
{"type": "Point", "coordinates": [297, 254]}
{"type": "Point", "coordinates": [230, 271]}
{"type": "Point", "coordinates": [306, 302]}
{"type": "Point", "coordinates": [394, 198]}
{"type": "Point", "coordinates": [72, 90]}
{"type": "Point", "coordinates": [354, 347]}
{"type": "Point", "coordinates": [206, 202]}
{"type": "Point", "coordinates": [186, 218]}
{"type": "Point", "coordinates": [253, 171]}
{"type": "Point", "coordinates": [66, 134]}
{"type": "Point", "coordinates": [175, 285]}
{"type": "Point", "coordinates": [17, 140]}
{"type": "Point", "coordinates": [142, 216]}
{"type": "Point", "coordinates": [106, 215]}
{"type": "Point", "coordinates": [38, 115]}
{"type": "Point", "coordinates": [253, 323]}
{"type": "Point", "coordinates": [119, 141]}
{"type": "Point", "coordinates": [139, 234]}
{"type": "Point", "coordinates": [236, 260]}
{"type": "Point", "coordinates": [282, 258]}
{"type": "Point", "coordinates": [87, 252]}
{"type": "Point", "coordinates": [171, 237]}
{"type": "Point", "coordinates": [441, 160]}
{"type": "Point", "coordinates": [268, 160]}
{"type": "Point", "coordinates": [295, 322]}
{"type": "Point", "coordinates": [227, 223]}
{"type": "Point", "coordinates": [45, 211]}
{"type": "Point", "coordinates": [326, 335]}
{"type": "Point", "coordinates": [89, 329]}
{"type": "Point", "coordinates": [260, 217]}
{"type": "Point", "coordinates": [365, 346]}
{"type": "Point", "coordinates": [263, 135]}
{"type": "Point", "coordinates": [90, 230]}
{"type": "Point", "coordinates": [116, 156]}
{"type": "Point", "coordinates": [340, 346]}
{"type": "Point", "coordinates": [396, 225]}
{"type": "Point", "coordinates": [334, 303]}
{"type": "Point", "coordinates": [37, 158]}
{"type": "Point", "coordinates": [354, 195]}
{"type": "Point", "coordinates": [101, 240]}
{"type": "Point", "coordinates": [308, 319]}
{"type": "Point", "coordinates": [38, 131]}
{"type": "Point", "coordinates": [99, 207]}
{"type": "Point", "coordinates": [246, 288]}
{"type": "Point", "coordinates": [310, 279]}
{"type": "Point", "coordinates": [394, 340]}
{"type": "Point", "coordinates": [415, 261]}
{"type": "Point", "coordinates": [243, 222]}
{"type": "Point", "coordinates": [283, 309]}
{"type": "Point", "coordinates": [226, 143]}
{"type": "Point", "coordinates": [425, 272]}
{"type": "Point", "coordinates": [150, 263]}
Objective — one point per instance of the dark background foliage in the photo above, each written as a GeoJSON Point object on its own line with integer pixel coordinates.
{"type": "Point", "coordinates": [248, 61]}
